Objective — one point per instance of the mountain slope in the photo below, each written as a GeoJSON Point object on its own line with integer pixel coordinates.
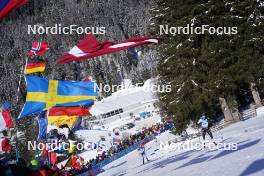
{"type": "Point", "coordinates": [246, 160]}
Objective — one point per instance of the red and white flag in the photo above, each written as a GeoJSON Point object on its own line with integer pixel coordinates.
{"type": "Point", "coordinates": [89, 47]}
{"type": "Point", "coordinates": [5, 120]}
{"type": "Point", "coordinates": [38, 48]}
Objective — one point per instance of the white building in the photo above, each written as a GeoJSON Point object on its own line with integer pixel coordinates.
{"type": "Point", "coordinates": [124, 105]}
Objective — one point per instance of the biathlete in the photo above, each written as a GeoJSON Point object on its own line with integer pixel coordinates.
{"type": "Point", "coordinates": [204, 123]}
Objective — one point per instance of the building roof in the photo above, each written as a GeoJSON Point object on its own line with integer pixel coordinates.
{"type": "Point", "coordinates": [129, 95]}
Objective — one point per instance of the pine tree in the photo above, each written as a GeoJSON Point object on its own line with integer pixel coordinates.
{"type": "Point", "coordinates": [203, 68]}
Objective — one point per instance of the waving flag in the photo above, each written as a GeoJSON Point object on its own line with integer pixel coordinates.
{"type": "Point", "coordinates": [89, 47]}
{"type": "Point", "coordinates": [66, 115]}
{"type": "Point", "coordinates": [6, 6]}
{"type": "Point", "coordinates": [43, 94]}
{"type": "Point", "coordinates": [69, 111]}
{"type": "Point", "coordinates": [62, 120]}
{"type": "Point", "coordinates": [38, 48]}
{"type": "Point", "coordinates": [5, 120]}
{"type": "Point", "coordinates": [35, 67]}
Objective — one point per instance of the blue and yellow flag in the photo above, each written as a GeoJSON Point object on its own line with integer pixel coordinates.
{"type": "Point", "coordinates": [43, 94]}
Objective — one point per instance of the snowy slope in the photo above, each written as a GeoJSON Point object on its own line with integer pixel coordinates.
{"type": "Point", "coordinates": [248, 159]}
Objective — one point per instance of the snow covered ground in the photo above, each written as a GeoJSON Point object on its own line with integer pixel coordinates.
{"type": "Point", "coordinates": [248, 159]}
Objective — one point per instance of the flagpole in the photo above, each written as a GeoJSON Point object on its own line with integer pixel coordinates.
{"type": "Point", "coordinates": [15, 130]}
{"type": "Point", "coordinates": [20, 78]}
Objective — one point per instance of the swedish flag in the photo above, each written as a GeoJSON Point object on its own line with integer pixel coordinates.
{"type": "Point", "coordinates": [43, 94]}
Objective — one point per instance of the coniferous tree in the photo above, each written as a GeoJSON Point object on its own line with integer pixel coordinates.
{"type": "Point", "coordinates": [206, 68]}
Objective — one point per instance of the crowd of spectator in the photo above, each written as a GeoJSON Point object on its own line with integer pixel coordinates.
{"type": "Point", "coordinates": [75, 164]}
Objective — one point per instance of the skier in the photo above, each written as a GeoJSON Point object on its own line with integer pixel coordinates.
{"type": "Point", "coordinates": [141, 150]}
{"type": "Point", "coordinates": [205, 128]}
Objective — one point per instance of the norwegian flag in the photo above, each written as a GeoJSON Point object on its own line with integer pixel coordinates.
{"type": "Point", "coordinates": [89, 47]}
{"type": "Point", "coordinates": [38, 48]}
